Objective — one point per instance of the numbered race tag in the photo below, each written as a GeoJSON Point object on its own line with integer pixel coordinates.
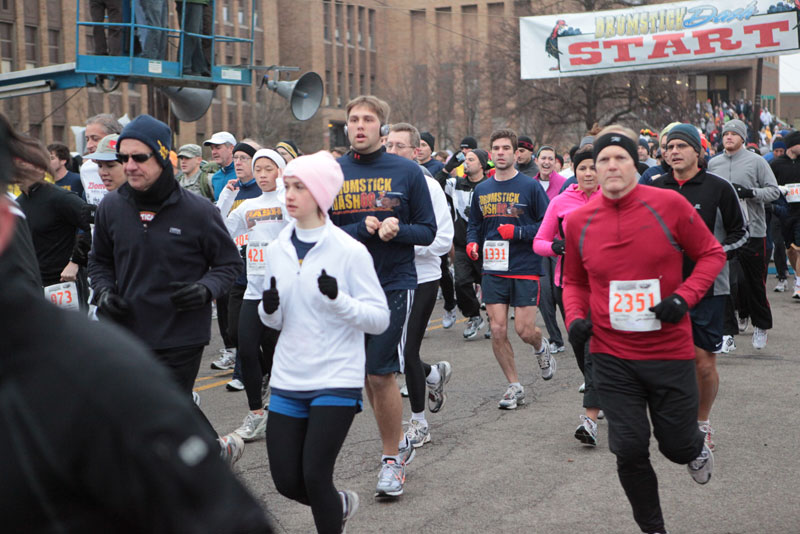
{"type": "Point", "coordinates": [256, 254]}
{"type": "Point", "coordinates": [64, 295]}
{"type": "Point", "coordinates": [629, 302]}
{"type": "Point", "coordinates": [495, 255]}
{"type": "Point", "coordinates": [794, 193]}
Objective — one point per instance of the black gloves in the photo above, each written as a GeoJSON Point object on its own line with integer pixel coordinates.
{"type": "Point", "coordinates": [744, 192]}
{"type": "Point", "coordinates": [327, 285]}
{"type": "Point", "coordinates": [270, 298]}
{"type": "Point", "coordinates": [580, 330]}
{"type": "Point", "coordinates": [558, 247]}
{"type": "Point", "coordinates": [189, 295]}
{"type": "Point", "coordinates": [671, 309]}
{"type": "Point", "coordinates": [454, 162]}
{"type": "Point", "coordinates": [112, 306]}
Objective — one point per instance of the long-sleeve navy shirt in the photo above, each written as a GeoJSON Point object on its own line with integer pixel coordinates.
{"type": "Point", "coordinates": [385, 185]}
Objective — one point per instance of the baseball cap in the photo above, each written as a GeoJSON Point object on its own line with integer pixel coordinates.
{"type": "Point", "coordinates": [106, 149]}
{"type": "Point", "coordinates": [220, 138]}
{"type": "Point", "coordinates": [190, 151]}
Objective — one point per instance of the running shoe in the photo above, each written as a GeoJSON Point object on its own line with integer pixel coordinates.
{"type": "Point", "coordinates": [449, 319]}
{"type": "Point", "coordinates": [513, 313]}
{"type": "Point", "coordinates": [555, 347]}
{"type": "Point", "coordinates": [265, 391]}
{"type": "Point", "coordinates": [759, 338]}
{"type": "Point", "coordinates": [487, 334]}
{"type": "Point", "coordinates": [235, 385]}
{"type": "Point", "coordinates": [226, 361]}
{"type": "Point", "coordinates": [743, 321]}
{"type": "Point", "coordinates": [587, 432]}
{"type": "Point", "coordinates": [728, 344]}
{"type": "Point", "coordinates": [231, 448]}
{"type": "Point", "coordinates": [709, 432]}
{"type": "Point", "coordinates": [473, 327]}
{"type": "Point", "coordinates": [196, 398]}
{"type": "Point", "coordinates": [701, 467]}
{"type": "Point", "coordinates": [796, 294]}
{"type": "Point", "coordinates": [406, 452]}
{"type": "Point", "coordinates": [513, 397]}
{"type": "Point", "coordinates": [391, 479]}
{"type": "Point", "coordinates": [780, 287]}
{"type": "Point", "coordinates": [349, 506]}
{"type": "Point", "coordinates": [582, 388]}
{"type": "Point", "coordinates": [418, 433]}
{"type": "Point", "coordinates": [253, 427]}
{"type": "Point", "coordinates": [547, 363]}
{"type": "Point", "coordinates": [436, 395]}
{"type": "Point", "coordinates": [404, 390]}
{"type": "Point", "coordinates": [601, 414]}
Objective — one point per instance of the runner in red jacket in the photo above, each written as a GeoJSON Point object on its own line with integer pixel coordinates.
{"type": "Point", "coordinates": [627, 248]}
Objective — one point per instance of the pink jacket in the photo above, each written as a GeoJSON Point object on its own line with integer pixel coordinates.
{"type": "Point", "coordinates": [571, 199]}
{"type": "Point", "coordinates": [554, 186]}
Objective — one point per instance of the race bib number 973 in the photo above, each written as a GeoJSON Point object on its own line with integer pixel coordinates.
{"type": "Point", "coordinates": [629, 303]}
{"type": "Point", "coordinates": [495, 256]}
{"type": "Point", "coordinates": [63, 295]}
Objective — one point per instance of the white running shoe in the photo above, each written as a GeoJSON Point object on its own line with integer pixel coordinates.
{"type": "Point", "coordinates": [449, 319]}
{"type": "Point", "coordinates": [418, 433]}
{"type": "Point", "coordinates": [742, 323]}
{"type": "Point", "coordinates": [474, 326]}
{"type": "Point", "coordinates": [587, 432]}
{"type": "Point", "coordinates": [196, 398]}
{"type": "Point", "coordinates": [582, 388]}
{"type": "Point", "coordinates": [231, 448]}
{"type": "Point", "coordinates": [709, 432]}
{"type": "Point", "coordinates": [701, 467]}
{"type": "Point", "coordinates": [404, 391]}
{"type": "Point", "coordinates": [227, 360]}
{"type": "Point", "coordinates": [253, 427]}
{"type": "Point", "coordinates": [349, 506]}
{"type": "Point", "coordinates": [235, 385]}
{"type": "Point", "coordinates": [728, 344]}
{"type": "Point", "coordinates": [436, 395]}
{"type": "Point", "coordinates": [555, 347]}
{"type": "Point", "coordinates": [513, 397]}
{"type": "Point", "coordinates": [547, 363]}
{"type": "Point", "coordinates": [759, 338]}
{"type": "Point", "coordinates": [780, 287]}
{"type": "Point", "coordinates": [796, 294]}
{"type": "Point", "coordinates": [601, 414]}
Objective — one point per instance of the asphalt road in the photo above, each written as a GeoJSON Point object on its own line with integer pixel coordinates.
{"type": "Point", "coordinates": [489, 470]}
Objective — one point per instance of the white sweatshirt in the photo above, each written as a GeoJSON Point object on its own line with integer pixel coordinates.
{"type": "Point", "coordinates": [259, 220]}
{"type": "Point", "coordinates": [428, 259]}
{"type": "Point", "coordinates": [322, 340]}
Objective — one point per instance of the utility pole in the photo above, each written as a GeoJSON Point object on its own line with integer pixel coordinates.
{"type": "Point", "coordinates": [757, 99]}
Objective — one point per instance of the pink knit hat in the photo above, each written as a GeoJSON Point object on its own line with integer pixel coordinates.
{"type": "Point", "coordinates": [320, 173]}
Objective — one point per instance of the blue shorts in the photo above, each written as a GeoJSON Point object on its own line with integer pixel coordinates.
{"type": "Point", "coordinates": [708, 317]}
{"type": "Point", "coordinates": [299, 408]}
{"type": "Point", "coordinates": [517, 292]}
{"type": "Point", "coordinates": [383, 350]}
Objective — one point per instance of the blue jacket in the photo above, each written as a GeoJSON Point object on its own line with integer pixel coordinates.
{"type": "Point", "coordinates": [222, 177]}
{"type": "Point", "coordinates": [520, 201]}
{"type": "Point", "coordinates": [185, 241]}
{"type": "Point", "coordinates": [385, 185]}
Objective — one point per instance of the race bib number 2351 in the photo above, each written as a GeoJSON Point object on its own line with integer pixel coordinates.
{"type": "Point", "coordinates": [629, 303]}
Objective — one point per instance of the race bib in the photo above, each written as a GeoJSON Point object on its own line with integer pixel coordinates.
{"type": "Point", "coordinates": [256, 254]}
{"type": "Point", "coordinates": [629, 302]}
{"type": "Point", "coordinates": [495, 255]}
{"type": "Point", "coordinates": [64, 295]}
{"type": "Point", "coordinates": [794, 193]}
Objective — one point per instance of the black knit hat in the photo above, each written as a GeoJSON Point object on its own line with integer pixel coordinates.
{"type": "Point", "coordinates": [483, 157]}
{"type": "Point", "coordinates": [246, 148]}
{"type": "Point", "coordinates": [792, 139]}
{"type": "Point", "coordinates": [469, 142]}
{"type": "Point", "coordinates": [525, 142]}
{"type": "Point", "coordinates": [151, 132]}
{"type": "Point", "coordinates": [428, 138]}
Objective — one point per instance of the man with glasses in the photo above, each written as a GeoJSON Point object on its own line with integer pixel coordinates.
{"type": "Point", "coordinates": [717, 204]}
{"type": "Point", "coordinates": [160, 254]}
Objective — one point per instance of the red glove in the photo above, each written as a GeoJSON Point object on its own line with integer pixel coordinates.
{"type": "Point", "coordinates": [506, 231]}
{"type": "Point", "coordinates": [472, 251]}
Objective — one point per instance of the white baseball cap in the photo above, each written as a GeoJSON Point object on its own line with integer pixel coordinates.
{"type": "Point", "coordinates": [220, 138]}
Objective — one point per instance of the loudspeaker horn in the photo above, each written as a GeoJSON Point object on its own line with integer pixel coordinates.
{"type": "Point", "coordinates": [187, 103]}
{"type": "Point", "coordinates": [304, 94]}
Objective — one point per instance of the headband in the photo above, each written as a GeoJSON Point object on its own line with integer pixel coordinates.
{"type": "Point", "coordinates": [617, 139]}
{"type": "Point", "coordinates": [581, 156]}
{"type": "Point", "coordinates": [545, 147]}
{"type": "Point", "coordinates": [246, 148]}
{"type": "Point", "coordinates": [288, 148]}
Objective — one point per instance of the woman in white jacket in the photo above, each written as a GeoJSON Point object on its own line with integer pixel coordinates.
{"type": "Point", "coordinates": [260, 219]}
{"type": "Point", "coordinates": [323, 296]}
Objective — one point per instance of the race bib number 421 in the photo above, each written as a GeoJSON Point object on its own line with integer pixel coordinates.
{"type": "Point", "coordinates": [63, 295]}
{"type": "Point", "coordinates": [256, 252]}
{"type": "Point", "coordinates": [629, 303]}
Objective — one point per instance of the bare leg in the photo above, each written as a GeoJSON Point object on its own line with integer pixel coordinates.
{"type": "Point", "coordinates": [388, 407]}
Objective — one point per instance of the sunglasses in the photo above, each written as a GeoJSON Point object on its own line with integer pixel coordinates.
{"type": "Point", "coordinates": [138, 158]}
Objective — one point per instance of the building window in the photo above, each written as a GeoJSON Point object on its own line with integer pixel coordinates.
{"type": "Point", "coordinates": [361, 27]}
{"type": "Point", "coordinates": [339, 24]}
{"type": "Point", "coordinates": [31, 47]}
{"type": "Point", "coordinates": [241, 16]}
{"type": "Point", "coordinates": [6, 47]}
{"type": "Point", "coordinates": [54, 46]}
{"type": "Point", "coordinates": [371, 28]}
{"type": "Point", "coordinates": [351, 86]}
{"type": "Point", "coordinates": [58, 133]}
{"type": "Point", "coordinates": [350, 32]}
{"type": "Point", "coordinates": [326, 17]}
{"type": "Point", "coordinates": [339, 90]}
{"type": "Point", "coordinates": [362, 84]}
{"type": "Point", "coordinates": [328, 87]}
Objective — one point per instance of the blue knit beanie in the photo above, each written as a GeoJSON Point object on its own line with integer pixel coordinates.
{"type": "Point", "coordinates": [688, 133]}
{"type": "Point", "coordinates": [151, 132]}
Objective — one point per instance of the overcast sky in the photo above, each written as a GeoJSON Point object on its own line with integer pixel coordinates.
{"type": "Point", "coordinates": [790, 73]}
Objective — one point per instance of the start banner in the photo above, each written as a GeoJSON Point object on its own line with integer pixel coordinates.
{"type": "Point", "coordinates": [655, 36]}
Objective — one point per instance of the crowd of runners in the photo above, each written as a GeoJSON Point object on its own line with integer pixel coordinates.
{"type": "Point", "coordinates": [323, 274]}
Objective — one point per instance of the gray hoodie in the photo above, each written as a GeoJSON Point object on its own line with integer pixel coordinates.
{"type": "Point", "coordinates": [749, 170]}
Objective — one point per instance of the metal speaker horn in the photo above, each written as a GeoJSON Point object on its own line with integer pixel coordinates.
{"type": "Point", "coordinates": [187, 103]}
{"type": "Point", "coordinates": [303, 94]}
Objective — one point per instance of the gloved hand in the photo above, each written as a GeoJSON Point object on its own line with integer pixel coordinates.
{"type": "Point", "coordinates": [454, 162]}
{"type": "Point", "coordinates": [472, 251]}
{"type": "Point", "coordinates": [506, 231]}
{"type": "Point", "coordinates": [327, 285]}
{"type": "Point", "coordinates": [270, 298]}
{"type": "Point", "coordinates": [189, 295]}
{"type": "Point", "coordinates": [580, 330]}
{"type": "Point", "coordinates": [558, 247]}
{"type": "Point", "coordinates": [112, 306]}
{"type": "Point", "coordinates": [671, 309]}
{"type": "Point", "coordinates": [744, 192]}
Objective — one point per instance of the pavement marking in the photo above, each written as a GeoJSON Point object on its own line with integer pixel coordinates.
{"type": "Point", "coordinates": [211, 385]}
{"type": "Point", "coordinates": [438, 326]}
{"type": "Point", "coordinates": [209, 377]}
